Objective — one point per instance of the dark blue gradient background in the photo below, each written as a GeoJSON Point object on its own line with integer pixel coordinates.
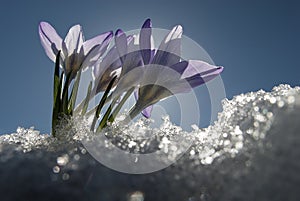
{"type": "Point", "coordinates": [256, 41]}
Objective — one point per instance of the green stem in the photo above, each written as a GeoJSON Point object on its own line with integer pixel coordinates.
{"type": "Point", "coordinates": [92, 111]}
{"type": "Point", "coordinates": [103, 122]}
{"type": "Point", "coordinates": [86, 100]}
{"type": "Point", "coordinates": [119, 106]}
{"type": "Point", "coordinates": [57, 85]}
{"type": "Point", "coordinates": [134, 111]}
{"type": "Point", "coordinates": [65, 94]}
{"type": "Point", "coordinates": [102, 102]}
{"type": "Point", "coordinates": [74, 92]}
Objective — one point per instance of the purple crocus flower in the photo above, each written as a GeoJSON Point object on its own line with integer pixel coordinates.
{"type": "Point", "coordinates": [129, 58]}
{"type": "Point", "coordinates": [76, 53]}
{"type": "Point", "coordinates": [158, 82]}
{"type": "Point", "coordinates": [108, 67]}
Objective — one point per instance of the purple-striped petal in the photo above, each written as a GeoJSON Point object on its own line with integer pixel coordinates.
{"type": "Point", "coordinates": [147, 111]}
{"type": "Point", "coordinates": [132, 57]}
{"type": "Point", "coordinates": [74, 39]}
{"type": "Point", "coordinates": [102, 82]}
{"type": "Point", "coordinates": [131, 61]}
{"type": "Point", "coordinates": [145, 41]}
{"type": "Point", "coordinates": [169, 50]}
{"type": "Point", "coordinates": [200, 72]}
{"type": "Point", "coordinates": [198, 67]}
{"type": "Point", "coordinates": [111, 61]}
{"type": "Point", "coordinates": [180, 67]}
{"type": "Point", "coordinates": [64, 50]}
{"type": "Point", "coordinates": [91, 58]}
{"type": "Point", "coordinates": [172, 42]}
{"type": "Point", "coordinates": [200, 79]}
{"type": "Point", "coordinates": [191, 74]}
{"type": "Point", "coordinates": [87, 45]}
{"type": "Point", "coordinates": [104, 45]}
{"type": "Point", "coordinates": [121, 43]}
{"type": "Point", "coordinates": [50, 40]}
{"type": "Point", "coordinates": [96, 52]}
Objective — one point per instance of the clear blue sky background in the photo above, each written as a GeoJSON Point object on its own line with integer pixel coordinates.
{"type": "Point", "coordinates": [256, 41]}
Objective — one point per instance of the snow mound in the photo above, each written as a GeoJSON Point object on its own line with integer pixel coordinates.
{"type": "Point", "coordinates": [250, 153]}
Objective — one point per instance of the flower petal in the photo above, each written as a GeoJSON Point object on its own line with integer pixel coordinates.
{"type": "Point", "coordinates": [74, 39]}
{"type": "Point", "coordinates": [190, 74]}
{"type": "Point", "coordinates": [200, 79]}
{"type": "Point", "coordinates": [87, 45]}
{"type": "Point", "coordinates": [172, 42]}
{"type": "Point", "coordinates": [129, 55]}
{"type": "Point", "coordinates": [200, 72]}
{"type": "Point", "coordinates": [131, 61]}
{"type": "Point", "coordinates": [111, 61]}
{"type": "Point", "coordinates": [128, 80]}
{"type": "Point", "coordinates": [198, 67]}
{"type": "Point", "coordinates": [180, 67]}
{"type": "Point", "coordinates": [145, 41]}
{"type": "Point", "coordinates": [105, 44]}
{"type": "Point", "coordinates": [121, 43]}
{"type": "Point", "coordinates": [169, 50]}
{"type": "Point", "coordinates": [103, 81]}
{"type": "Point", "coordinates": [91, 58]}
{"type": "Point", "coordinates": [96, 52]}
{"type": "Point", "coordinates": [50, 40]}
{"type": "Point", "coordinates": [147, 111]}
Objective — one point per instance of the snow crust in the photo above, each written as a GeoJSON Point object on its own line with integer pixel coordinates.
{"type": "Point", "coordinates": [250, 153]}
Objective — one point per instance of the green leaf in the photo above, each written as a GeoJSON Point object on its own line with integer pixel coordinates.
{"type": "Point", "coordinates": [87, 99]}
{"type": "Point", "coordinates": [102, 102]}
{"type": "Point", "coordinates": [56, 77]}
{"type": "Point", "coordinates": [103, 122]}
{"type": "Point", "coordinates": [119, 106]}
{"type": "Point", "coordinates": [57, 86]}
{"type": "Point", "coordinates": [65, 99]}
{"type": "Point", "coordinates": [74, 92]}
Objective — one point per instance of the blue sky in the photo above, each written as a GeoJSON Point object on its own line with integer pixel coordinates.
{"type": "Point", "coordinates": [256, 41]}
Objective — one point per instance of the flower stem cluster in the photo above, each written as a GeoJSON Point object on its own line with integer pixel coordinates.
{"type": "Point", "coordinates": [131, 66]}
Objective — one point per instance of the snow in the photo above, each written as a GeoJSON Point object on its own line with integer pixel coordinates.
{"type": "Point", "coordinates": [250, 153]}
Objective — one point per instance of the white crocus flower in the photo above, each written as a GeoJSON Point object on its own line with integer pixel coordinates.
{"type": "Point", "coordinates": [76, 53]}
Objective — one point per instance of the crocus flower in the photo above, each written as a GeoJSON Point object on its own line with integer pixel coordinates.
{"type": "Point", "coordinates": [130, 59]}
{"type": "Point", "coordinates": [159, 83]}
{"type": "Point", "coordinates": [108, 67]}
{"type": "Point", "coordinates": [76, 53]}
